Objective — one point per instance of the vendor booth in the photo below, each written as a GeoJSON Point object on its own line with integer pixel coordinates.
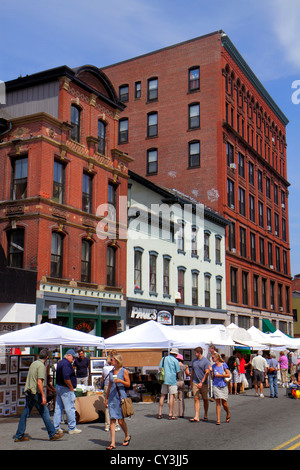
{"type": "Point", "coordinates": [14, 369]}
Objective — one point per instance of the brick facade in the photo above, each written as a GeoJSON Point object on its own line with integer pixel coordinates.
{"type": "Point", "coordinates": [47, 144]}
{"type": "Point", "coordinates": [226, 107]}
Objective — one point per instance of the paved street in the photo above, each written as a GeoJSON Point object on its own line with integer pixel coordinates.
{"type": "Point", "coordinates": [256, 424]}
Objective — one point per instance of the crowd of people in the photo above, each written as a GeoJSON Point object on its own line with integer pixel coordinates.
{"type": "Point", "coordinates": [212, 378]}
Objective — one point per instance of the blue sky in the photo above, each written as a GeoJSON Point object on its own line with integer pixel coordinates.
{"type": "Point", "coordinates": [38, 35]}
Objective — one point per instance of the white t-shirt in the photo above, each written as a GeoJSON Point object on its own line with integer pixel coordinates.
{"type": "Point", "coordinates": [259, 363]}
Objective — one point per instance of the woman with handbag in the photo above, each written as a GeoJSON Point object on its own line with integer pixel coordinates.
{"type": "Point", "coordinates": [272, 375]}
{"type": "Point", "coordinates": [118, 380]}
{"type": "Point", "coordinates": [220, 374]}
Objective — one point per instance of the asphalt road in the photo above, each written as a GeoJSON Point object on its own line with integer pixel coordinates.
{"type": "Point", "coordinates": [256, 424]}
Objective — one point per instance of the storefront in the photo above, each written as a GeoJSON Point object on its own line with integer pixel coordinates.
{"type": "Point", "coordinates": [139, 312]}
{"type": "Point", "coordinates": [90, 311]}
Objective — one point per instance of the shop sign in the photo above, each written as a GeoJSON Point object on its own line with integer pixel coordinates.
{"type": "Point", "coordinates": [8, 327]}
{"type": "Point", "coordinates": [147, 313]}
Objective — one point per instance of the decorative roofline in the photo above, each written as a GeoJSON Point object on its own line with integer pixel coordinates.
{"type": "Point", "coordinates": [240, 61]}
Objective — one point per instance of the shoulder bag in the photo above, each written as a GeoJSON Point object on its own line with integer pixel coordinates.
{"type": "Point", "coordinates": [126, 405]}
{"type": "Point", "coordinates": [161, 374]}
{"type": "Point", "coordinates": [272, 369]}
{"type": "Point", "coordinates": [227, 379]}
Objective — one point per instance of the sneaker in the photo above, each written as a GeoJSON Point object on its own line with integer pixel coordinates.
{"type": "Point", "coordinates": [75, 431]}
{"type": "Point", "coordinates": [261, 395]}
{"type": "Point", "coordinates": [107, 428]}
{"type": "Point", "coordinates": [59, 431]}
{"type": "Point", "coordinates": [118, 428]}
{"type": "Point", "coordinates": [21, 439]}
{"type": "Point", "coordinates": [57, 436]}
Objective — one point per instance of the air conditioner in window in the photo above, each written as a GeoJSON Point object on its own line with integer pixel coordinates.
{"type": "Point", "coordinates": [276, 233]}
{"type": "Point", "coordinates": [233, 166]}
{"type": "Point", "coordinates": [271, 266]}
{"type": "Point", "coordinates": [283, 205]}
{"type": "Point", "coordinates": [280, 309]}
{"type": "Point", "coordinates": [233, 250]}
{"type": "Point", "coordinates": [269, 228]}
{"type": "Point", "coordinates": [272, 307]}
{"type": "Point", "coordinates": [231, 206]}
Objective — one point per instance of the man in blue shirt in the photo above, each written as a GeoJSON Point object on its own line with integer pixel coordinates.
{"type": "Point", "coordinates": [171, 367]}
{"type": "Point", "coordinates": [65, 397]}
{"type": "Point", "coordinates": [199, 380]}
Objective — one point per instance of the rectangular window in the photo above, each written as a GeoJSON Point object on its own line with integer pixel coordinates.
{"type": "Point", "coordinates": [262, 251]}
{"type": "Point", "coordinates": [245, 287]}
{"type": "Point", "coordinates": [218, 250]}
{"type": "Point", "coordinates": [207, 291]}
{"type": "Point", "coordinates": [260, 181]}
{"type": "Point", "coordinates": [264, 293]}
{"type": "Point", "coordinates": [219, 293]}
{"type": "Point", "coordinates": [87, 192]}
{"type": "Point", "coordinates": [195, 288]}
{"type": "Point", "coordinates": [277, 255]}
{"type": "Point", "coordinates": [230, 154]}
{"type": "Point", "coordinates": [243, 246]}
{"type": "Point", "coordinates": [75, 122]}
{"type": "Point", "coordinates": [233, 285]}
{"type": "Point", "coordinates": [19, 178]}
{"type": "Point", "coordinates": [194, 116]}
{"type": "Point", "coordinates": [151, 161]}
{"type": "Point", "coordinates": [206, 246]}
{"type": "Point", "coordinates": [284, 230]}
{"type": "Point", "coordinates": [152, 89]}
{"type": "Point", "coordinates": [138, 90]}
{"type": "Point", "coordinates": [85, 261]}
{"type": "Point", "coordinates": [260, 214]}
{"type": "Point", "coordinates": [56, 255]}
{"type": "Point", "coordinates": [123, 131]}
{"type": "Point", "coordinates": [241, 165]}
{"type": "Point", "coordinates": [230, 194]}
{"type": "Point", "coordinates": [181, 284]}
{"type": "Point", "coordinates": [152, 125]}
{"type": "Point", "coordinates": [138, 270]}
{"type": "Point", "coordinates": [101, 137]}
{"type": "Point", "coordinates": [251, 173]}
{"type": "Point", "coordinates": [242, 205]}
{"type": "Point", "coordinates": [58, 182]}
{"type": "Point", "coordinates": [124, 93]}
{"type": "Point", "coordinates": [253, 246]}
{"type": "Point", "coordinates": [270, 254]}
{"type": "Point", "coordinates": [194, 154]}
{"type": "Point", "coordinates": [255, 290]}
{"type": "Point", "coordinates": [194, 78]}
{"type": "Point", "coordinates": [152, 273]}
{"type": "Point", "coordinates": [166, 276]}
{"type": "Point", "coordinates": [251, 208]}
{"type": "Point", "coordinates": [15, 249]}
{"type": "Point", "coordinates": [231, 236]}
{"type": "Point", "coordinates": [111, 266]}
{"type": "Point", "coordinates": [268, 187]}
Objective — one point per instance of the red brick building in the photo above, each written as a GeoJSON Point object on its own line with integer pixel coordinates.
{"type": "Point", "coordinates": [198, 119]}
{"type": "Point", "coordinates": [59, 167]}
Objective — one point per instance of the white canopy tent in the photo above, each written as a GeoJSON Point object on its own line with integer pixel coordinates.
{"type": "Point", "coordinates": [152, 335]}
{"type": "Point", "coordinates": [279, 336]}
{"type": "Point", "coordinates": [193, 335]}
{"type": "Point", "coordinates": [48, 334]}
{"type": "Point", "coordinates": [266, 338]}
{"type": "Point", "coordinates": [243, 337]}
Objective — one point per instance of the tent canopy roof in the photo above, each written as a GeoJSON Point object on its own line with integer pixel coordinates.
{"type": "Point", "coordinates": [48, 334]}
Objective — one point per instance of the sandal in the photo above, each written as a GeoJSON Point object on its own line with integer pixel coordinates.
{"type": "Point", "coordinates": [194, 420]}
{"type": "Point", "coordinates": [228, 419]}
{"type": "Point", "coordinates": [218, 423]}
{"type": "Point", "coordinates": [159, 417]}
{"type": "Point", "coordinates": [126, 442]}
{"type": "Point", "coordinates": [111, 447]}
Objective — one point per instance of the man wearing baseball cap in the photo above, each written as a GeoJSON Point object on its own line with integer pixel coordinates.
{"type": "Point", "coordinates": [65, 399]}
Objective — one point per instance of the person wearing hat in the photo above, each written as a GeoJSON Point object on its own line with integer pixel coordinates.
{"type": "Point", "coordinates": [171, 367]}
{"type": "Point", "coordinates": [179, 399]}
{"type": "Point", "coordinates": [35, 397]}
{"type": "Point", "coordinates": [65, 397]}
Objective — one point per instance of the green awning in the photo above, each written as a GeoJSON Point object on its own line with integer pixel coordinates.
{"type": "Point", "coordinates": [267, 326]}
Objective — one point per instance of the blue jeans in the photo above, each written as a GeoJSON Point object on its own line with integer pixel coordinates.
{"type": "Point", "coordinates": [35, 401]}
{"type": "Point", "coordinates": [65, 400]}
{"type": "Point", "coordinates": [273, 385]}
